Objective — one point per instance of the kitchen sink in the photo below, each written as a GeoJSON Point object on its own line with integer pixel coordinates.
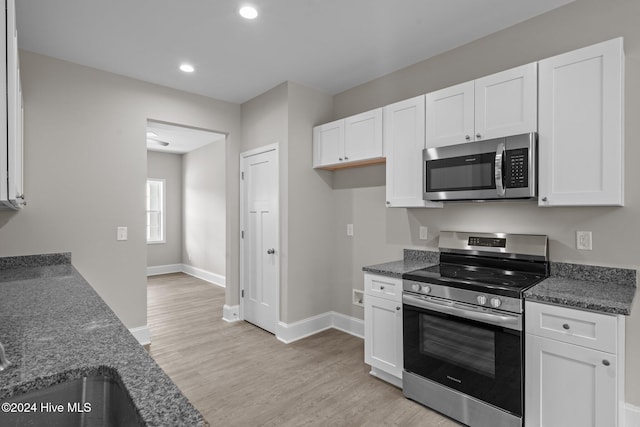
{"type": "Point", "coordinates": [91, 401]}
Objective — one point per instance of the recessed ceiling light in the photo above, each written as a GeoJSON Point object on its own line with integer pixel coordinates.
{"type": "Point", "coordinates": [187, 68]}
{"type": "Point", "coordinates": [248, 12]}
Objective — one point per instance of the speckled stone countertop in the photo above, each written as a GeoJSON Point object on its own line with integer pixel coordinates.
{"type": "Point", "coordinates": [413, 260]}
{"type": "Point", "coordinates": [55, 327]}
{"type": "Point", "coordinates": [601, 289]}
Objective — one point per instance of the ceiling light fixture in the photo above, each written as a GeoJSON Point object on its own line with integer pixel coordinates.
{"type": "Point", "coordinates": [187, 68]}
{"type": "Point", "coordinates": [157, 141]}
{"type": "Point", "coordinates": [248, 12]}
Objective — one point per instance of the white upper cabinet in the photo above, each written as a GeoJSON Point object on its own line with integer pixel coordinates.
{"type": "Point", "coordinates": [328, 144]}
{"type": "Point", "coordinates": [581, 138]}
{"type": "Point", "coordinates": [404, 142]}
{"type": "Point", "coordinates": [450, 115]}
{"type": "Point", "coordinates": [506, 103]}
{"type": "Point", "coordinates": [11, 184]}
{"type": "Point", "coordinates": [498, 105]}
{"type": "Point", "coordinates": [356, 140]}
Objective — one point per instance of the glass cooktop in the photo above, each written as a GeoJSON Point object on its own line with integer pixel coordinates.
{"type": "Point", "coordinates": [481, 279]}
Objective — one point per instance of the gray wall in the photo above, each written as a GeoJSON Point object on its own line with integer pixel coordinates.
{"type": "Point", "coordinates": [286, 114]}
{"type": "Point", "coordinates": [85, 173]}
{"type": "Point", "coordinates": [204, 208]}
{"type": "Point", "coordinates": [381, 233]}
{"type": "Point", "coordinates": [167, 166]}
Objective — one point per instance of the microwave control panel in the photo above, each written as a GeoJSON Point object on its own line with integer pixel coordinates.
{"type": "Point", "coordinates": [517, 168]}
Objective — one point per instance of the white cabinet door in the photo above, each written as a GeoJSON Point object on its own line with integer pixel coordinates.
{"type": "Point", "coordinates": [11, 192]}
{"type": "Point", "coordinates": [354, 141]}
{"type": "Point", "coordinates": [506, 103]}
{"type": "Point", "coordinates": [567, 385]}
{"type": "Point", "coordinates": [404, 142]}
{"type": "Point", "coordinates": [581, 127]}
{"type": "Point", "coordinates": [363, 136]}
{"type": "Point", "coordinates": [383, 334]}
{"type": "Point", "coordinates": [450, 115]}
{"type": "Point", "coordinates": [328, 143]}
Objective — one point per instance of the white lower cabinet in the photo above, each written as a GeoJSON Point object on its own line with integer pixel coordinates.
{"type": "Point", "coordinates": [569, 379]}
{"type": "Point", "coordinates": [383, 328]}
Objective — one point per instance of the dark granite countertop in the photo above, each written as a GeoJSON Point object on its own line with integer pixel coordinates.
{"type": "Point", "coordinates": [601, 289]}
{"type": "Point", "coordinates": [55, 327]}
{"type": "Point", "coordinates": [413, 260]}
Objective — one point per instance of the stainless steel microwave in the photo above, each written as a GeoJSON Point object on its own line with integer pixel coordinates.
{"type": "Point", "coordinates": [495, 169]}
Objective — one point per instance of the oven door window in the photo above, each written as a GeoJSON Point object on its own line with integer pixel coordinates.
{"type": "Point", "coordinates": [463, 173]}
{"type": "Point", "coordinates": [480, 360]}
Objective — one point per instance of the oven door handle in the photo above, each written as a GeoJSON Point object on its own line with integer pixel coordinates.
{"type": "Point", "coordinates": [502, 320]}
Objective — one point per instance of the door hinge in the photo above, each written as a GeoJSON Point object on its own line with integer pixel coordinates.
{"type": "Point", "coordinates": [242, 234]}
{"type": "Point", "coordinates": [242, 176]}
{"type": "Point", "coordinates": [242, 294]}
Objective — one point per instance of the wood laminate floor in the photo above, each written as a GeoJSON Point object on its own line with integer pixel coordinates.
{"type": "Point", "coordinates": [236, 374]}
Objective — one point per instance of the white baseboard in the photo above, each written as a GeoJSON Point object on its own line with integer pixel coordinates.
{"type": "Point", "coordinates": [348, 324]}
{"type": "Point", "coordinates": [231, 313]}
{"type": "Point", "coordinates": [632, 415]}
{"type": "Point", "coordinates": [142, 334]}
{"type": "Point", "coordinates": [208, 276]}
{"type": "Point", "coordinates": [164, 269]}
{"type": "Point", "coordinates": [295, 331]}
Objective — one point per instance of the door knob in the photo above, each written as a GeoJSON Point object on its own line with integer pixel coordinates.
{"type": "Point", "coordinates": [271, 251]}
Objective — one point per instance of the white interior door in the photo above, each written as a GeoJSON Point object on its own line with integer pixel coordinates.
{"type": "Point", "coordinates": [260, 254]}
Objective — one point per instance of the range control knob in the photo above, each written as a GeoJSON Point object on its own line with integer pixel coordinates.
{"type": "Point", "coordinates": [426, 289]}
{"type": "Point", "coordinates": [415, 287]}
{"type": "Point", "coordinates": [496, 302]}
{"type": "Point", "coordinates": [482, 299]}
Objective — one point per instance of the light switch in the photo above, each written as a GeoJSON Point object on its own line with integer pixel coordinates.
{"type": "Point", "coordinates": [121, 233]}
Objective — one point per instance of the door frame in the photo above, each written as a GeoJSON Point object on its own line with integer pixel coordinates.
{"type": "Point", "coordinates": [243, 156]}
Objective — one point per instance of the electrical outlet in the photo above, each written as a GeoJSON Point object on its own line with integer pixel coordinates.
{"type": "Point", "coordinates": [349, 229]}
{"type": "Point", "coordinates": [121, 233]}
{"type": "Point", "coordinates": [424, 233]}
{"type": "Point", "coordinates": [584, 240]}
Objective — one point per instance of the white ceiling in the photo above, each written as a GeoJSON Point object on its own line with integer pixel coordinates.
{"type": "Point", "coordinates": [181, 139]}
{"type": "Point", "coordinates": [331, 45]}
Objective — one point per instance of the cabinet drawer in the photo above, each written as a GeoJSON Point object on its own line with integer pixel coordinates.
{"type": "Point", "coordinates": [383, 287]}
{"type": "Point", "coordinates": [584, 328]}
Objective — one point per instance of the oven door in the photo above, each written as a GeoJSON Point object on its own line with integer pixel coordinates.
{"type": "Point", "coordinates": [472, 350]}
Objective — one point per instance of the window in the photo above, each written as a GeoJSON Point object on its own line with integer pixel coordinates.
{"type": "Point", "coordinates": [155, 211]}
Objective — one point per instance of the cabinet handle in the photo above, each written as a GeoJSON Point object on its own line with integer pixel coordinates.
{"type": "Point", "coordinates": [467, 137]}
{"type": "Point", "coordinates": [388, 202]}
{"type": "Point", "coordinates": [382, 288]}
{"type": "Point", "coordinates": [544, 199]}
{"type": "Point", "coordinates": [340, 158]}
{"type": "Point", "coordinates": [478, 136]}
{"type": "Point", "coordinates": [605, 362]}
{"type": "Point", "coordinates": [398, 309]}
{"type": "Point", "coordinates": [346, 158]}
{"type": "Point", "coordinates": [271, 251]}
{"type": "Point", "coordinates": [566, 326]}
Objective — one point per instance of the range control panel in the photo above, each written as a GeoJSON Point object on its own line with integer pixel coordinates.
{"type": "Point", "coordinates": [492, 242]}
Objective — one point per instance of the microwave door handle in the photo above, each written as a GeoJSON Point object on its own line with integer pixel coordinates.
{"type": "Point", "coordinates": [499, 174]}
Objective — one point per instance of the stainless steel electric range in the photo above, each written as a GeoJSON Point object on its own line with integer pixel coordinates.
{"type": "Point", "coordinates": [463, 336]}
